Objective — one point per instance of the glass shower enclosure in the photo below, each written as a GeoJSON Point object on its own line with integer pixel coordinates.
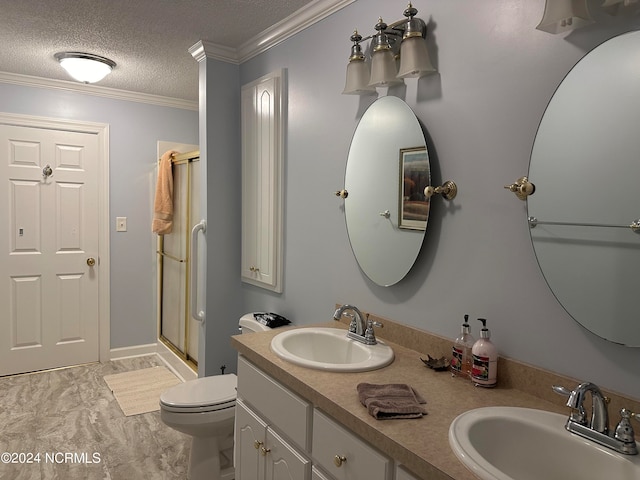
{"type": "Point", "coordinates": [177, 329]}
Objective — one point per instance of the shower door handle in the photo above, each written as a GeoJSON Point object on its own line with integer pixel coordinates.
{"type": "Point", "coordinates": [193, 290]}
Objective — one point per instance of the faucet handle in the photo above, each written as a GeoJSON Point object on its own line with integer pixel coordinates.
{"type": "Point", "coordinates": [369, 335]}
{"type": "Point", "coordinates": [352, 322]}
{"type": "Point", "coordinates": [624, 430]}
{"type": "Point", "coordinates": [560, 390]}
{"type": "Point", "coordinates": [578, 413]}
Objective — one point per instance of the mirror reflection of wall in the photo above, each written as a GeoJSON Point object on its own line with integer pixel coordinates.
{"type": "Point", "coordinates": [386, 210]}
{"type": "Point", "coordinates": [585, 164]}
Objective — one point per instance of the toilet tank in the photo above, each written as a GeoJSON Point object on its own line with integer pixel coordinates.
{"type": "Point", "coordinates": [249, 324]}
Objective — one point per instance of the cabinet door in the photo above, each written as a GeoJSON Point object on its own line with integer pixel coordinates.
{"type": "Point", "coordinates": [283, 462]}
{"type": "Point", "coordinates": [262, 158]}
{"type": "Point", "coordinates": [250, 437]}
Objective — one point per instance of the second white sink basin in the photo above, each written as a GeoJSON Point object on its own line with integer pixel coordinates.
{"type": "Point", "coordinates": [329, 349]}
{"type": "Point", "coordinates": [509, 443]}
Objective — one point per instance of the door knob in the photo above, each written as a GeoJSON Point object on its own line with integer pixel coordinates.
{"type": "Point", "coordinates": [47, 171]}
{"type": "Point", "coordinates": [91, 261]}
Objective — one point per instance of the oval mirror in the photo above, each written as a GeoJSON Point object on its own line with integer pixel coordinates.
{"type": "Point", "coordinates": [585, 164]}
{"type": "Point", "coordinates": [386, 210]}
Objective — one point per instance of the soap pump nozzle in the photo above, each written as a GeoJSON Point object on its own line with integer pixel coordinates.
{"type": "Point", "coordinates": [465, 326]}
{"type": "Point", "coordinates": [484, 332]}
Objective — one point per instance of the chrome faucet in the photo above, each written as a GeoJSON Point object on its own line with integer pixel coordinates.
{"type": "Point", "coordinates": [597, 428]}
{"type": "Point", "coordinates": [360, 328]}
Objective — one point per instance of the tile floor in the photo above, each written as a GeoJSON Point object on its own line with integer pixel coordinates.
{"type": "Point", "coordinates": [71, 419]}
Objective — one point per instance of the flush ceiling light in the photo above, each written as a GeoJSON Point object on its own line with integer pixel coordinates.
{"type": "Point", "coordinates": [562, 15]}
{"type": "Point", "coordinates": [404, 39]}
{"type": "Point", "coordinates": [85, 67]}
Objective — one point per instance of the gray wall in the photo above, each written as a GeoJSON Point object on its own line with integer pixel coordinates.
{"type": "Point", "coordinates": [496, 75]}
{"type": "Point", "coordinates": [134, 131]}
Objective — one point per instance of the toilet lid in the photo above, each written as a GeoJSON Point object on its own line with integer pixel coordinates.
{"type": "Point", "coordinates": [218, 391]}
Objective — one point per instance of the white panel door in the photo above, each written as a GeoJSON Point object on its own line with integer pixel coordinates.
{"type": "Point", "coordinates": [48, 249]}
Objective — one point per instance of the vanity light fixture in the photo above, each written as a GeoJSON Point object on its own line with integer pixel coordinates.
{"type": "Point", "coordinates": [404, 39]}
{"type": "Point", "coordinates": [85, 67]}
{"type": "Point", "coordinates": [563, 15]}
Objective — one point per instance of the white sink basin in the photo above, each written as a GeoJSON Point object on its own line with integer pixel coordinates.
{"type": "Point", "coordinates": [509, 443]}
{"type": "Point", "coordinates": [330, 349]}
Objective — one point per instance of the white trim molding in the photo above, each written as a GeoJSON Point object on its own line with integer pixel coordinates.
{"type": "Point", "coordinates": [307, 16]}
{"type": "Point", "coordinates": [112, 93]}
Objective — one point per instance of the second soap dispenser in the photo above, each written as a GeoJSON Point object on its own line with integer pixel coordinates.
{"type": "Point", "coordinates": [484, 372]}
{"type": "Point", "coordinates": [461, 360]}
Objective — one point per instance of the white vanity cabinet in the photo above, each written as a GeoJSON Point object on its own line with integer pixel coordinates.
{"type": "Point", "coordinates": [272, 429]}
{"type": "Point", "coordinates": [279, 434]}
{"type": "Point", "coordinates": [262, 454]}
{"type": "Point", "coordinates": [262, 107]}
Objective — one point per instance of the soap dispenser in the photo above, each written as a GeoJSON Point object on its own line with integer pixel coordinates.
{"type": "Point", "coordinates": [484, 372]}
{"type": "Point", "coordinates": [461, 360]}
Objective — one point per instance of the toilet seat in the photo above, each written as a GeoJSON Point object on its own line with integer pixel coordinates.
{"type": "Point", "coordinates": [205, 394]}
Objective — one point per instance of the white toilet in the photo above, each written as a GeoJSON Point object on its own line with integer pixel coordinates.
{"type": "Point", "coordinates": [205, 409]}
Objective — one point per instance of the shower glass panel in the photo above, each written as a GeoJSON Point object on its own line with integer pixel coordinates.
{"type": "Point", "coordinates": [178, 330]}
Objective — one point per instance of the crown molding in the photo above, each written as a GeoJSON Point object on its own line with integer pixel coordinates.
{"type": "Point", "coordinates": [112, 93]}
{"type": "Point", "coordinates": [305, 17]}
{"type": "Point", "coordinates": [205, 49]}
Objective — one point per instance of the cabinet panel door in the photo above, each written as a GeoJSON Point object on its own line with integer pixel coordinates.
{"type": "Point", "coordinates": [250, 437]}
{"type": "Point", "coordinates": [283, 462]}
{"type": "Point", "coordinates": [262, 159]}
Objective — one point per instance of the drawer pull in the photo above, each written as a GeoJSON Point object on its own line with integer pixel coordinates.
{"type": "Point", "coordinates": [257, 444]}
{"type": "Point", "coordinates": [264, 451]}
{"type": "Point", "coordinates": [339, 460]}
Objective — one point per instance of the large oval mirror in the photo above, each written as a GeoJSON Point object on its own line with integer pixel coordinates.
{"type": "Point", "coordinates": [585, 164]}
{"type": "Point", "coordinates": [386, 210]}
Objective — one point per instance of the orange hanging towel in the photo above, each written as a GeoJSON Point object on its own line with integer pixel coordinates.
{"type": "Point", "coordinates": [163, 203]}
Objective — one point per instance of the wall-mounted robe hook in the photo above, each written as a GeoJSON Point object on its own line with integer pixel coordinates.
{"type": "Point", "coordinates": [342, 193]}
{"type": "Point", "coordinates": [522, 188]}
{"type": "Point", "coordinates": [448, 190]}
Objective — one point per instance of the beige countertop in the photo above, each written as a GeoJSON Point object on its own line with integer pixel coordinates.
{"type": "Point", "coordinates": [422, 445]}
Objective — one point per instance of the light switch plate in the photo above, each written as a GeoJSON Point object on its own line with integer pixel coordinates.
{"type": "Point", "coordinates": [121, 224]}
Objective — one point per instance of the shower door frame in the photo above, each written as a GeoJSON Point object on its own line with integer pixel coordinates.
{"type": "Point", "coordinates": [181, 159]}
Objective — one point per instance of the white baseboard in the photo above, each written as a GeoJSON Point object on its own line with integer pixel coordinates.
{"type": "Point", "coordinates": [170, 359]}
{"type": "Point", "coordinates": [175, 363]}
{"type": "Point", "coordinates": [134, 351]}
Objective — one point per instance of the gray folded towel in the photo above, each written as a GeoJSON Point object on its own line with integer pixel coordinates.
{"type": "Point", "coordinates": [391, 401]}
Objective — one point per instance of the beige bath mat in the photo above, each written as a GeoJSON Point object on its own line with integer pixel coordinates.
{"type": "Point", "coordinates": [139, 391]}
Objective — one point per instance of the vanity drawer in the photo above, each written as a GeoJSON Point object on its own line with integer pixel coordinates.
{"type": "Point", "coordinates": [284, 410]}
{"type": "Point", "coordinates": [331, 440]}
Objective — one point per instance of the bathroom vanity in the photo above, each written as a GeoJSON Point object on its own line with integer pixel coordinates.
{"type": "Point", "coordinates": [316, 418]}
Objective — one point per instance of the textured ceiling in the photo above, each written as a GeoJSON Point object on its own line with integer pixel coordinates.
{"type": "Point", "coordinates": [148, 39]}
